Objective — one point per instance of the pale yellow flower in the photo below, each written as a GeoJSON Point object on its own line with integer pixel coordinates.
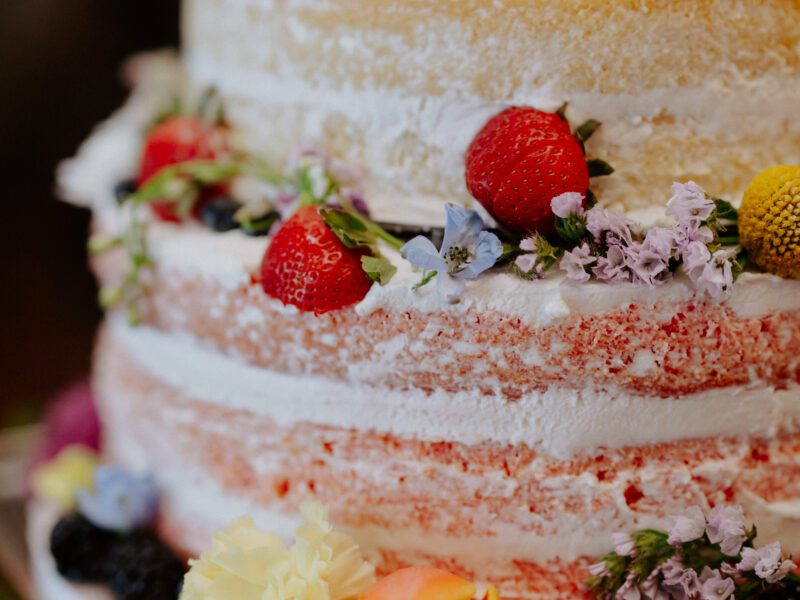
{"type": "Point", "coordinates": [60, 479]}
{"type": "Point", "coordinates": [246, 563]}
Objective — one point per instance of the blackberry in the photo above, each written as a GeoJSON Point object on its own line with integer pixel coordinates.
{"type": "Point", "coordinates": [218, 214]}
{"type": "Point", "coordinates": [124, 189]}
{"type": "Point", "coordinates": [140, 567]}
{"type": "Point", "coordinates": [79, 549]}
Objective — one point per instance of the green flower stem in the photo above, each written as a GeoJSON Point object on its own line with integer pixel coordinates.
{"type": "Point", "coordinates": [373, 227]}
{"type": "Point", "coordinates": [729, 240]}
{"type": "Point", "coordinates": [206, 172]}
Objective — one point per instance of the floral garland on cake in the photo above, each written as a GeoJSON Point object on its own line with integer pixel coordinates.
{"type": "Point", "coordinates": [701, 558]}
{"type": "Point", "coordinates": [538, 194]}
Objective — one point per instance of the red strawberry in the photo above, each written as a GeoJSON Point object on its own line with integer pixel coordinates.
{"type": "Point", "coordinates": [519, 161]}
{"type": "Point", "coordinates": [176, 140]}
{"type": "Point", "coordinates": [308, 266]}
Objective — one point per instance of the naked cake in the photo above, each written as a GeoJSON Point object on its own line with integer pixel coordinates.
{"type": "Point", "coordinates": [492, 281]}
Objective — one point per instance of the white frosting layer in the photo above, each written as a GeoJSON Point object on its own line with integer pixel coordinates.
{"type": "Point", "coordinates": [561, 421]}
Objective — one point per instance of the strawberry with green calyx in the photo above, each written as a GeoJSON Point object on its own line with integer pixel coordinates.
{"type": "Point", "coordinates": [524, 157]}
{"type": "Point", "coordinates": [308, 266]}
{"type": "Point", "coordinates": [182, 137]}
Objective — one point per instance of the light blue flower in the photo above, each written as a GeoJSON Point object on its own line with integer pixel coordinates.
{"type": "Point", "coordinates": [467, 251]}
{"type": "Point", "coordinates": [120, 501]}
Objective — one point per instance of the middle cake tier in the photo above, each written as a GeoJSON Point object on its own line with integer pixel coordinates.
{"type": "Point", "coordinates": [506, 438]}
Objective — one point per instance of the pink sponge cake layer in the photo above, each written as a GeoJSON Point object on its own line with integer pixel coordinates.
{"type": "Point", "coordinates": [492, 509]}
{"type": "Point", "coordinates": [641, 347]}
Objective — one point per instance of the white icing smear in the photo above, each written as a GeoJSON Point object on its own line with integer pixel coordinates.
{"type": "Point", "coordinates": [561, 422]}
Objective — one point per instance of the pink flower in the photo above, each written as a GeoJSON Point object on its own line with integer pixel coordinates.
{"type": "Point", "coordinates": [623, 544]}
{"type": "Point", "coordinates": [604, 225]}
{"type": "Point", "coordinates": [647, 266]}
{"type": "Point", "coordinates": [575, 262]}
{"type": "Point", "coordinates": [529, 264]}
{"type": "Point", "coordinates": [567, 204]}
{"type": "Point", "coordinates": [688, 527]}
{"type": "Point", "coordinates": [725, 526]}
{"type": "Point", "coordinates": [695, 256]}
{"type": "Point", "coordinates": [716, 277]}
{"type": "Point", "coordinates": [689, 204]}
{"type": "Point", "coordinates": [599, 570]}
{"type": "Point", "coordinates": [713, 586]}
{"type": "Point", "coordinates": [766, 562]}
{"type": "Point", "coordinates": [661, 240]}
{"type": "Point", "coordinates": [528, 244]}
{"type": "Point", "coordinates": [611, 268]}
{"type": "Point", "coordinates": [681, 582]}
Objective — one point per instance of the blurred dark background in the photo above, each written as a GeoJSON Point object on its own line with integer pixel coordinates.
{"type": "Point", "coordinates": [59, 75]}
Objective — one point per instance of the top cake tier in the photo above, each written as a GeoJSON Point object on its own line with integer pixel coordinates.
{"type": "Point", "coordinates": [685, 89]}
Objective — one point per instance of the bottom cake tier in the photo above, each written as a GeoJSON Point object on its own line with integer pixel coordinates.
{"type": "Point", "coordinates": [529, 522]}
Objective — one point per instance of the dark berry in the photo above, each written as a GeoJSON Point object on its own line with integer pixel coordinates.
{"type": "Point", "coordinates": [124, 189]}
{"type": "Point", "coordinates": [140, 567]}
{"type": "Point", "coordinates": [261, 225]}
{"type": "Point", "coordinates": [218, 213]}
{"type": "Point", "coordinates": [78, 548]}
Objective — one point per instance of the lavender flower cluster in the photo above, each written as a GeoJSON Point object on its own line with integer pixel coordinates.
{"type": "Point", "coordinates": [700, 558]}
{"type": "Point", "coordinates": [610, 248]}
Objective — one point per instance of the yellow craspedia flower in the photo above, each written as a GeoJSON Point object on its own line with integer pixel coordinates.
{"type": "Point", "coordinates": [769, 220]}
{"type": "Point", "coordinates": [60, 479]}
{"type": "Point", "coordinates": [246, 563]}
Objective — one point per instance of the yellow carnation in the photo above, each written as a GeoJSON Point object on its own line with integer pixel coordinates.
{"type": "Point", "coordinates": [248, 564]}
{"type": "Point", "coordinates": [769, 220]}
{"type": "Point", "coordinates": [61, 478]}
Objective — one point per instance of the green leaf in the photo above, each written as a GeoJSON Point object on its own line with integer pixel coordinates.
{"type": "Point", "coordinates": [571, 230]}
{"type": "Point", "coordinates": [598, 167]}
{"type": "Point", "coordinates": [725, 210]}
{"type": "Point", "coordinates": [585, 130]}
{"type": "Point", "coordinates": [562, 111]}
{"type": "Point", "coordinates": [100, 243]}
{"type": "Point", "coordinates": [378, 268]}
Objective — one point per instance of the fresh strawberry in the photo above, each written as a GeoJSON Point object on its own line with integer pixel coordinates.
{"type": "Point", "coordinates": [176, 140]}
{"type": "Point", "coordinates": [308, 266]}
{"type": "Point", "coordinates": [521, 160]}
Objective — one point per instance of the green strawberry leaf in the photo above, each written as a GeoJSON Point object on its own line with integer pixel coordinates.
{"type": "Point", "coordinates": [585, 130]}
{"type": "Point", "coordinates": [378, 268]}
{"type": "Point", "coordinates": [598, 167]}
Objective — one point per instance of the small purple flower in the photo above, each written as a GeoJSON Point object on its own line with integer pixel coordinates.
{"type": "Point", "coordinates": [688, 527]}
{"type": "Point", "coordinates": [689, 204]}
{"type": "Point", "coordinates": [623, 544]}
{"type": "Point", "coordinates": [766, 562]}
{"type": "Point", "coordinates": [528, 244]}
{"type": "Point", "coordinates": [713, 586]}
{"type": "Point", "coordinates": [611, 268]}
{"type": "Point", "coordinates": [647, 266]}
{"type": "Point", "coordinates": [629, 590]}
{"type": "Point", "coordinates": [725, 526]}
{"type": "Point", "coordinates": [567, 204]}
{"type": "Point", "coordinates": [467, 251]}
{"type": "Point", "coordinates": [120, 501]}
{"type": "Point", "coordinates": [575, 262]}
{"type": "Point", "coordinates": [682, 583]}
{"type": "Point", "coordinates": [599, 569]}
{"type": "Point", "coordinates": [662, 241]}
{"type": "Point", "coordinates": [716, 277]}
{"type": "Point", "coordinates": [695, 256]}
{"type": "Point", "coordinates": [529, 264]}
{"type": "Point", "coordinates": [611, 226]}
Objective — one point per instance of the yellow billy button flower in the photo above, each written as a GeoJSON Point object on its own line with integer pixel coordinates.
{"type": "Point", "coordinates": [769, 220]}
{"type": "Point", "coordinates": [60, 479]}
